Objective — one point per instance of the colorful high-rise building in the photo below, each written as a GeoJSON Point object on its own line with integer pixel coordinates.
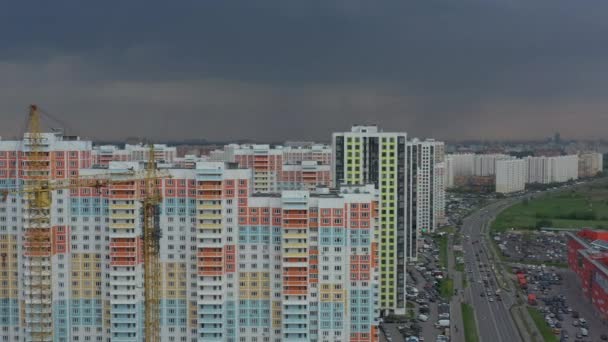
{"type": "Point", "coordinates": [104, 154]}
{"type": "Point", "coordinates": [236, 266]}
{"type": "Point", "coordinates": [278, 168]}
{"type": "Point", "coordinates": [62, 158]}
{"type": "Point", "coordinates": [366, 155]}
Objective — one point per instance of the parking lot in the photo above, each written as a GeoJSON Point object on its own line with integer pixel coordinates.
{"type": "Point", "coordinates": [459, 205]}
{"type": "Point", "coordinates": [532, 247]}
{"type": "Point", "coordinates": [428, 314]}
{"type": "Point", "coordinates": [560, 300]}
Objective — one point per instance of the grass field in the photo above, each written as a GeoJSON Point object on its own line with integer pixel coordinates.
{"type": "Point", "coordinates": [543, 327]}
{"type": "Point", "coordinates": [583, 207]}
{"type": "Point", "coordinates": [442, 243]}
{"type": "Point", "coordinates": [468, 318]}
{"type": "Point", "coordinates": [446, 288]}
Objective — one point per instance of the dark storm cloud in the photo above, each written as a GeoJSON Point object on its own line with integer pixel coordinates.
{"type": "Point", "coordinates": [301, 69]}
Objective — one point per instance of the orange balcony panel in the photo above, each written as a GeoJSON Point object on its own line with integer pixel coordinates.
{"type": "Point", "coordinates": [294, 260]}
{"type": "Point", "coordinates": [295, 292]}
{"type": "Point", "coordinates": [295, 283]}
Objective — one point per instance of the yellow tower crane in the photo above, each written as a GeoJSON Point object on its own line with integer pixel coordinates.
{"type": "Point", "coordinates": [151, 244]}
{"type": "Point", "coordinates": [37, 248]}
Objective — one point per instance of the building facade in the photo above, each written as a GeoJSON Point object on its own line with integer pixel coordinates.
{"type": "Point", "coordinates": [366, 155]}
{"type": "Point", "coordinates": [546, 170]}
{"type": "Point", "coordinates": [590, 164]}
{"type": "Point", "coordinates": [281, 168]}
{"type": "Point", "coordinates": [588, 258]}
{"type": "Point", "coordinates": [510, 176]}
{"type": "Point", "coordinates": [103, 155]}
{"type": "Point", "coordinates": [236, 266]}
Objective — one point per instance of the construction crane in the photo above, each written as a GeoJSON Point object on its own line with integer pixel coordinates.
{"type": "Point", "coordinates": [37, 190]}
{"type": "Point", "coordinates": [151, 244]}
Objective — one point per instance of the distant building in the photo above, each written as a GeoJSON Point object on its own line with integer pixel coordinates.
{"type": "Point", "coordinates": [103, 155]}
{"type": "Point", "coordinates": [277, 168]}
{"type": "Point", "coordinates": [510, 175]}
{"type": "Point", "coordinates": [546, 170]}
{"type": "Point", "coordinates": [590, 164]}
{"type": "Point", "coordinates": [588, 258]}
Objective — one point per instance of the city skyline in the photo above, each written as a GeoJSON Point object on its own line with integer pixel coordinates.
{"type": "Point", "coordinates": [223, 71]}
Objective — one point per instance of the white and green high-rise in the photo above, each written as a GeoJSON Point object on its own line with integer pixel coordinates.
{"type": "Point", "coordinates": [366, 155]}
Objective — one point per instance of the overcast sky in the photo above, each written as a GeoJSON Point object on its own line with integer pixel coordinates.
{"type": "Point", "coordinates": [276, 70]}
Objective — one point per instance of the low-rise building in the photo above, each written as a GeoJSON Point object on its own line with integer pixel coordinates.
{"type": "Point", "coordinates": [588, 258]}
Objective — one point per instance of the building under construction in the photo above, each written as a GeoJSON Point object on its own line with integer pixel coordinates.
{"type": "Point", "coordinates": [127, 252]}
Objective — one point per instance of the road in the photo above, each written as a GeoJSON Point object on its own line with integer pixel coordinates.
{"type": "Point", "coordinates": [494, 320]}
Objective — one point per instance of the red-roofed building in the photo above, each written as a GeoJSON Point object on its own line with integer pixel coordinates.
{"type": "Point", "coordinates": [588, 257]}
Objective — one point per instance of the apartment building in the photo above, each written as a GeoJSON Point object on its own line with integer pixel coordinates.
{"type": "Point", "coordinates": [425, 191]}
{"type": "Point", "coordinates": [280, 168]}
{"type": "Point", "coordinates": [510, 175]}
{"type": "Point", "coordinates": [545, 170]}
{"type": "Point", "coordinates": [63, 157]}
{"type": "Point", "coordinates": [590, 164]}
{"type": "Point", "coordinates": [104, 154]}
{"type": "Point", "coordinates": [366, 155]}
{"type": "Point", "coordinates": [461, 167]}
{"type": "Point", "coordinates": [292, 265]}
{"type": "Point", "coordinates": [430, 199]}
{"type": "Point", "coordinates": [306, 175]}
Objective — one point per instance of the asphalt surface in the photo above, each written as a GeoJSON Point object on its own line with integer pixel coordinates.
{"type": "Point", "coordinates": [493, 318]}
{"type": "Point", "coordinates": [494, 321]}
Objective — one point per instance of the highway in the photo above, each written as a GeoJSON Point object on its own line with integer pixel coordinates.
{"type": "Point", "coordinates": [494, 320]}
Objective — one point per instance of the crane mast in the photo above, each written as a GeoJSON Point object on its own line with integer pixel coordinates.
{"type": "Point", "coordinates": [151, 244]}
{"type": "Point", "coordinates": [37, 244]}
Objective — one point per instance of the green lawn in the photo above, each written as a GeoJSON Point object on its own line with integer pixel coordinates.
{"type": "Point", "coordinates": [585, 207]}
{"type": "Point", "coordinates": [446, 288]}
{"type": "Point", "coordinates": [468, 318]}
{"type": "Point", "coordinates": [442, 243]}
{"type": "Point", "coordinates": [543, 327]}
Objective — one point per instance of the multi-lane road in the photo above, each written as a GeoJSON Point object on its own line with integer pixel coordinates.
{"type": "Point", "coordinates": [494, 319]}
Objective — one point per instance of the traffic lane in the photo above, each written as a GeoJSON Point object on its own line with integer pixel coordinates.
{"type": "Point", "coordinates": [506, 325]}
{"type": "Point", "coordinates": [486, 318]}
{"type": "Point", "coordinates": [496, 312]}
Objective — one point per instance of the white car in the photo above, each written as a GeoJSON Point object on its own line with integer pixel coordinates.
{"type": "Point", "coordinates": [423, 318]}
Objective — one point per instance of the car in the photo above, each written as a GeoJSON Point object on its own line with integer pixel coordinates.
{"type": "Point", "coordinates": [491, 299]}
{"type": "Point", "coordinates": [575, 323]}
{"type": "Point", "coordinates": [604, 337]}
